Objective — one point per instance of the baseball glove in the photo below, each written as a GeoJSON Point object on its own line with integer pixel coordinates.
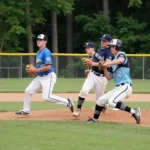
{"type": "Point", "coordinates": [87, 62]}
{"type": "Point", "coordinates": [30, 69]}
{"type": "Point", "coordinates": [100, 65]}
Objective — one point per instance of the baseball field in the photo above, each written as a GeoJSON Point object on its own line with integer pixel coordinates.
{"type": "Point", "coordinates": [51, 126]}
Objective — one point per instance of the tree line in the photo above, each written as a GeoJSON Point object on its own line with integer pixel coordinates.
{"type": "Point", "coordinates": [70, 23]}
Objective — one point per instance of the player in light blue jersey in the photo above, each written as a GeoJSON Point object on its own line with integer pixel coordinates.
{"type": "Point", "coordinates": [45, 80]}
{"type": "Point", "coordinates": [120, 72]}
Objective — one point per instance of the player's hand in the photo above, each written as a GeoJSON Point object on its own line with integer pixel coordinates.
{"type": "Point", "coordinates": [87, 71]}
{"type": "Point", "coordinates": [87, 62]}
{"type": "Point", "coordinates": [107, 64]}
{"type": "Point", "coordinates": [30, 69]}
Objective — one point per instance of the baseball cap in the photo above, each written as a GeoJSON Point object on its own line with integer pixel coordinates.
{"type": "Point", "coordinates": [42, 37]}
{"type": "Point", "coordinates": [106, 37]}
{"type": "Point", "coordinates": [90, 44]}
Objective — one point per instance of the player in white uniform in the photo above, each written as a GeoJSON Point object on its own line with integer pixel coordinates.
{"type": "Point", "coordinates": [46, 79]}
{"type": "Point", "coordinates": [95, 79]}
{"type": "Point", "coordinates": [123, 84]}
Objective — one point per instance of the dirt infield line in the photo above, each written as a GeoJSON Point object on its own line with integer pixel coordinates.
{"type": "Point", "coordinates": [18, 97]}
{"type": "Point", "coordinates": [64, 114]}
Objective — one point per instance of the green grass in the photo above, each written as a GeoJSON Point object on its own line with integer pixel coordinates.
{"type": "Point", "coordinates": [66, 85]}
{"type": "Point", "coordinates": [15, 106]}
{"type": "Point", "coordinates": [72, 135]}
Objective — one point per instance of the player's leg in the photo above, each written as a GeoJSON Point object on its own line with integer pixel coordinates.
{"type": "Point", "coordinates": [87, 86]}
{"type": "Point", "coordinates": [33, 87]}
{"type": "Point", "coordinates": [100, 104]}
{"type": "Point", "coordinates": [100, 86]}
{"type": "Point", "coordinates": [121, 93]}
{"type": "Point", "coordinates": [48, 83]}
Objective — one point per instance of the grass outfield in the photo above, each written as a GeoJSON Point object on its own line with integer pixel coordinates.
{"type": "Point", "coordinates": [72, 135]}
{"type": "Point", "coordinates": [15, 106]}
{"type": "Point", "coordinates": [66, 85]}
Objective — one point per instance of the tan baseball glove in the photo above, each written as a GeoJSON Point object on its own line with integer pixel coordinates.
{"type": "Point", "coordinates": [30, 69]}
{"type": "Point", "coordinates": [87, 62]}
{"type": "Point", "coordinates": [100, 65]}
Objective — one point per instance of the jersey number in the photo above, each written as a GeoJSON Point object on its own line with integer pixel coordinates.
{"type": "Point", "coordinates": [119, 74]}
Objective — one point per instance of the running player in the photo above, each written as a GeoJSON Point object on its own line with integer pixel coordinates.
{"type": "Point", "coordinates": [96, 79]}
{"type": "Point", "coordinates": [123, 84]}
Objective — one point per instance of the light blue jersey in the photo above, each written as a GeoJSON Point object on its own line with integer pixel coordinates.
{"type": "Point", "coordinates": [44, 57]}
{"type": "Point", "coordinates": [121, 73]}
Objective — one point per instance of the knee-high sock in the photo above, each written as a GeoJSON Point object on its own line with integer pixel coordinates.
{"type": "Point", "coordinates": [122, 106]}
{"type": "Point", "coordinates": [80, 102]}
{"type": "Point", "coordinates": [97, 112]}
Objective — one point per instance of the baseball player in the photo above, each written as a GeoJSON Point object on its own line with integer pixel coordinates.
{"type": "Point", "coordinates": [46, 79]}
{"type": "Point", "coordinates": [96, 78]}
{"type": "Point", "coordinates": [120, 72]}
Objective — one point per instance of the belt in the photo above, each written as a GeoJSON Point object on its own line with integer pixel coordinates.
{"type": "Point", "coordinates": [44, 75]}
{"type": "Point", "coordinates": [98, 74]}
{"type": "Point", "coordinates": [123, 84]}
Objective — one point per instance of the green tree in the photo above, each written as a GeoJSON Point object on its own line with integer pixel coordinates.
{"type": "Point", "coordinates": [130, 30]}
{"type": "Point", "coordinates": [11, 16]}
{"type": "Point", "coordinates": [136, 3]}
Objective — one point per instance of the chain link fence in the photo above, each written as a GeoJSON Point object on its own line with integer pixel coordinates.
{"type": "Point", "coordinates": [67, 67]}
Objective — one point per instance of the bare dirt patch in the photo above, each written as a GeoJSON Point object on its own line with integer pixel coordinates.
{"type": "Point", "coordinates": [15, 97]}
{"type": "Point", "coordinates": [63, 114]}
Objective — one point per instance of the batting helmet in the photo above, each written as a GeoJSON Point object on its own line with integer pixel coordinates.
{"type": "Point", "coordinates": [117, 43]}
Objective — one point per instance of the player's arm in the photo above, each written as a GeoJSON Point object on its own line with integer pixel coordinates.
{"type": "Point", "coordinates": [121, 59]}
{"type": "Point", "coordinates": [43, 69]}
{"type": "Point", "coordinates": [96, 64]}
{"type": "Point", "coordinates": [107, 74]}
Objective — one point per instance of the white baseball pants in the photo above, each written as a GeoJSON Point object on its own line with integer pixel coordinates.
{"type": "Point", "coordinates": [95, 82]}
{"type": "Point", "coordinates": [47, 83]}
{"type": "Point", "coordinates": [119, 93]}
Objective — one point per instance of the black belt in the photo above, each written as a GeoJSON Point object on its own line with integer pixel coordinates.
{"type": "Point", "coordinates": [123, 84]}
{"type": "Point", "coordinates": [44, 75]}
{"type": "Point", "coordinates": [98, 74]}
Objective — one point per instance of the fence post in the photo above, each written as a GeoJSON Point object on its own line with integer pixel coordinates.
{"type": "Point", "coordinates": [143, 68]}
{"type": "Point", "coordinates": [21, 67]}
{"type": "Point", "coordinates": [8, 72]}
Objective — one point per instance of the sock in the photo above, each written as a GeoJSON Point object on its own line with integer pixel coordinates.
{"type": "Point", "coordinates": [132, 111]}
{"type": "Point", "coordinates": [98, 110]}
{"type": "Point", "coordinates": [124, 107]}
{"type": "Point", "coordinates": [80, 102]}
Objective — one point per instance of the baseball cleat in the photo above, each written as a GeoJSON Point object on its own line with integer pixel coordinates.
{"type": "Point", "coordinates": [21, 112]}
{"type": "Point", "coordinates": [76, 113]}
{"type": "Point", "coordinates": [137, 115]}
{"type": "Point", "coordinates": [91, 120]}
{"type": "Point", "coordinates": [70, 104]}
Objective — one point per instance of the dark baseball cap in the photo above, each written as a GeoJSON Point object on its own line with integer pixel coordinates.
{"type": "Point", "coordinates": [90, 44]}
{"type": "Point", "coordinates": [42, 37]}
{"type": "Point", "coordinates": [106, 37]}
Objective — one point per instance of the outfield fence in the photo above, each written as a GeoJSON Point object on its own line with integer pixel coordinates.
{"type": "Point", "coordinates": [12, 65]}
